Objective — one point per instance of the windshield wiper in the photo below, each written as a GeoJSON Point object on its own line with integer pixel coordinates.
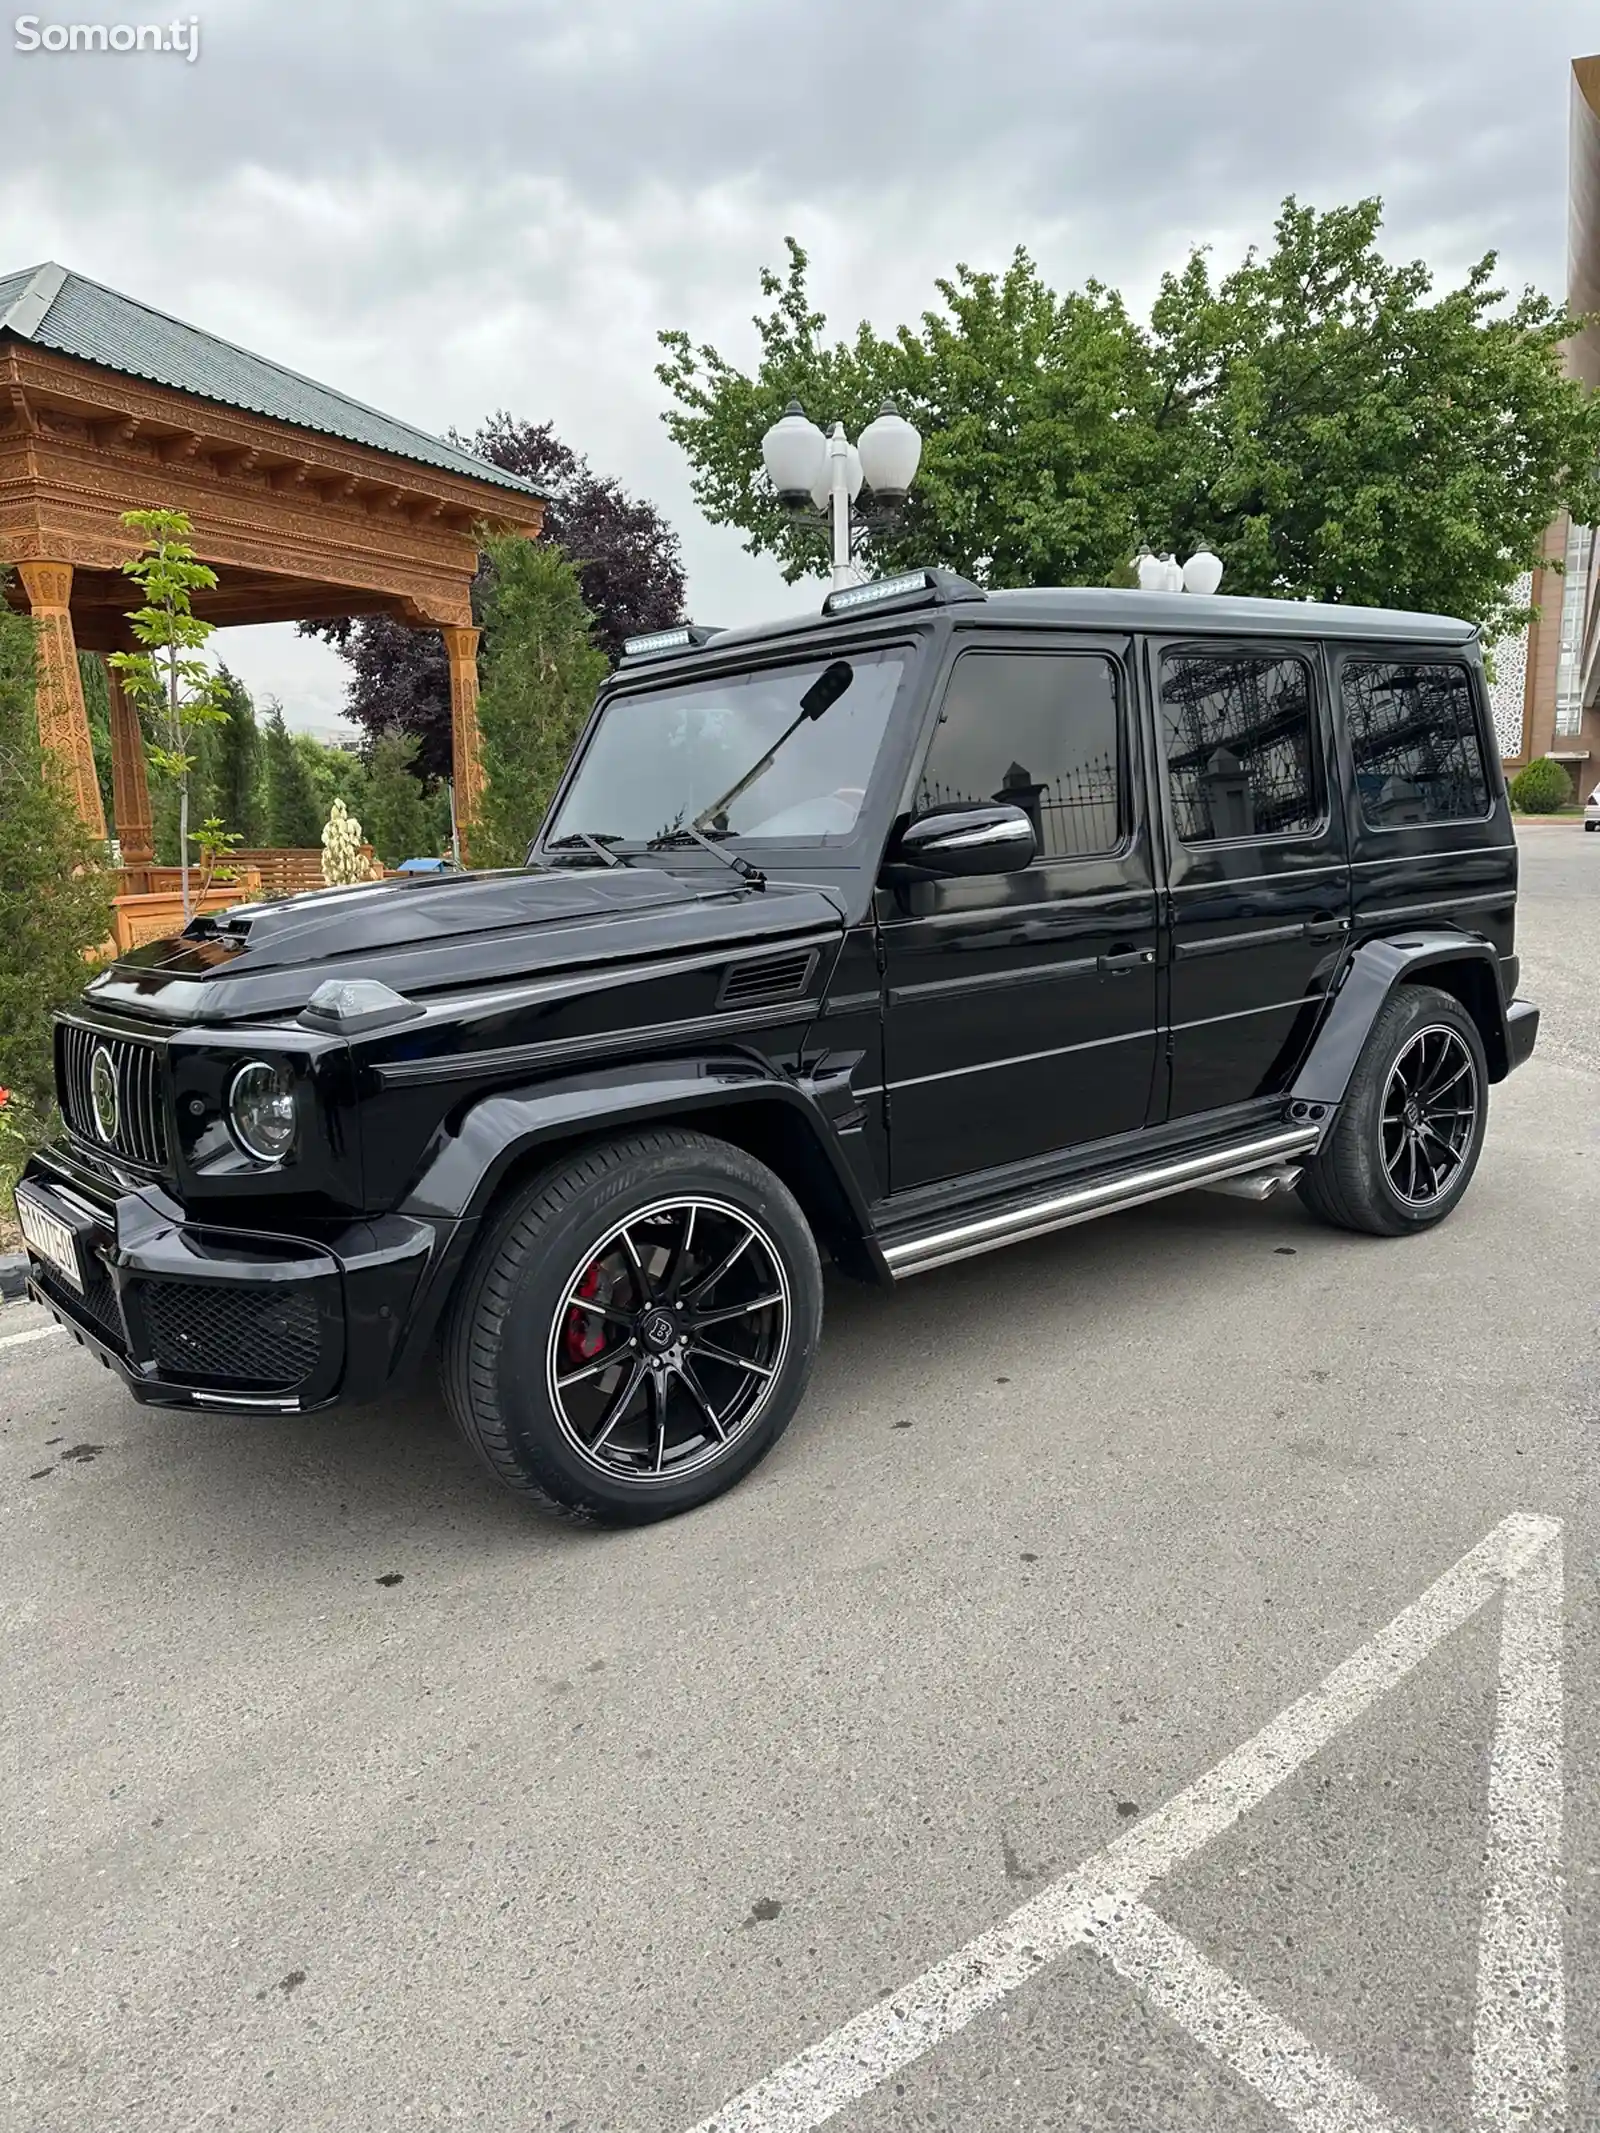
{"type": "Point", "coordinates": [689, 834]}
{"type": "Point", "coordinates": [600, 844]}
{"type": "Point", "coordinates": [827, 689]}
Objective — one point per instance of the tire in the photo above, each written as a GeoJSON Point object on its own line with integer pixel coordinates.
{"type": "Point", "coordinates": [1365, 1177]}
{"type": "Point", "coordinates": [615, 1273]}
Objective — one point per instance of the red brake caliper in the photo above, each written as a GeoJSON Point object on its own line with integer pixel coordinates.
{"type": "Point", "coordinates": [586, 1330]}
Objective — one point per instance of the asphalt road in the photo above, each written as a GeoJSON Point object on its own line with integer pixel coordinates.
{"type": "Point", "coordinates": [342, 1794]}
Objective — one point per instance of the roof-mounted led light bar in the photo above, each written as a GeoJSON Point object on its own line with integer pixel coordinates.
{"type": "Point", "coordinates": [908, 588]}
{"type": "Point", "coordinates": [655, 642]}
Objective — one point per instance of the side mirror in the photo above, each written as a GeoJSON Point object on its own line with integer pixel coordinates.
{"type": "Point", "coordinates": [965, 840]}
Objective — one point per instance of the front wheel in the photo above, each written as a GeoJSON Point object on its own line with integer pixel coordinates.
{"type": "Point", "coordinates": [1407, 1139]}
{"type": "Point", "coordinates": [637, 1328]}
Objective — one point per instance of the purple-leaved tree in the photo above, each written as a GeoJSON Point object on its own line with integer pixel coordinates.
{"type": "Point", "coordinates": [628, 561]}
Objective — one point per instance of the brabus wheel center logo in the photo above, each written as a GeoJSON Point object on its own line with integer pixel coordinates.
{"type": "Point", "coordinates": [660, 1330]}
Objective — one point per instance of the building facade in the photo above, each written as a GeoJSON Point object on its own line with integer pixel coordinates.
{"type": "Point", "coordinates": [1552, 676]}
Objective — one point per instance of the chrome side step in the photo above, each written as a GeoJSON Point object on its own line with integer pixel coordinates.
{"type": "Point", "coordinates": [917, 1255]}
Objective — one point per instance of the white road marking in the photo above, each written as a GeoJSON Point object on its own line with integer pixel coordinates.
{"type": "Point", "coordinates": [1233, 2025]}
{"type": "Point", "coordinates": [1522, 1946]}
{"type": "Point", "coordinates": [34, 1333]}
{"type": "Point", "coordinates": [1519, 2061]}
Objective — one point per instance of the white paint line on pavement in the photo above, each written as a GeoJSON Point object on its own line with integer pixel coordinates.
{"type": "Point", "coordinates": [867, 2051]}
{"type": "Point", "coordinates": [1234, 2026]}
{"type": "Point", "coordinates": [34, 1333]}
{"type": "Point", "coordinates": [1519, 2057]}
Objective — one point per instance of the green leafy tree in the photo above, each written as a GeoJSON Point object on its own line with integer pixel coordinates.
{"type": "Point", "coordinates": [55, 898]}
{"type": "Point", "coordinates": [1336, 429]}
{"type": "Point", "coordinates": [397, 813]}
{"type": "Point", "coordinates": [1320, 416]}
{"type": "Point", "coordinates": [176, 692]}
{"type": "Point", "coordinates": [1035, 412]}
{"type": "Point", "coordinates": [294, 812]}
{"type": "Point", "coordinates": [335, 773]}
{"type": "Point", "coordinates": [540, 676]}
{"type": "Point", "coordinates": [238, 792]}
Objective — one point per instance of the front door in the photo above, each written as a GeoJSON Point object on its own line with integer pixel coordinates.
{"type": "Point", "coordinates": [1258, 876]}
{"type": "Point", "coordinates": [1021, 1008]}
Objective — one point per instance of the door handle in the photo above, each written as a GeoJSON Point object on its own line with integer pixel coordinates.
{"type": "Point", "coordinates": [1124, 959]}
{"type": "Point", "coordinates": [1325, 929]}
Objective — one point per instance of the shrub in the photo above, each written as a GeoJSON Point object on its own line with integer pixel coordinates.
{"type": "Point", "coordinates": [1541, 789]}
{"type": "Point", "coordinates": [396, 807]}
{"type": "Point", "coordinates": [55, 896]}
{"type": "Point", "coordinates": [540, 674]}
{"type": "Point", "coordinates": [343, 860]}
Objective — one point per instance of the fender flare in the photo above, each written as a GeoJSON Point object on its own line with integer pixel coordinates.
{"type": "Point", "coordinates": [503, 1128]}
{"type": "Point", "coordinates": [1371, 975]}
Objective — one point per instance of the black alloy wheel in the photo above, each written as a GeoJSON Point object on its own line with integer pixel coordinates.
{"type": "Point", "coordinates": [1430, 1115]}
{"type": "Point", "coordinates": [669, 1337]}
{"type": "Point", "coordinates": [636, 1328]}
{"type": "Point", "coordinates": [1407, 1136]}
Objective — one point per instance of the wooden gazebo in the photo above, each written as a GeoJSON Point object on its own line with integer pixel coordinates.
{"type": "Point", "coordinates": [308, 506]}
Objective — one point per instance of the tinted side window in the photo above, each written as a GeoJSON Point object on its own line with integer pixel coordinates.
{"type": "Point", "coordinates": [1039, 729]}
{"type": "Point", "coordinates": [1241, 757]}
{"type": "Point", "coordinates": [1414, 735]}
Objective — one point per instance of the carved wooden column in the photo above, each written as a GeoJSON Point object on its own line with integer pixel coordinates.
{"type": "Point", "coordinates": [63, 717]}
{"type": "Point", "coordinates": [130, 788]}
{"type": "Point", "coordinates": [466, 767]}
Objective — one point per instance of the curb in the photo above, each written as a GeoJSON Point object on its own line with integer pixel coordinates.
{"type": "Point", "coordinates": [13, 1276]}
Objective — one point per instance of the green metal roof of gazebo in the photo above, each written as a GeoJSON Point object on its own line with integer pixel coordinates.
{"type": "Point", "coordinates": [56, 309]}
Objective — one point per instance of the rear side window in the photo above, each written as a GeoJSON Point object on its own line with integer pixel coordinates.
{"type": "Point", "coordinates": [1414, 735]}
{"type": "Point", "coordinates": [1237, 729]}
{"type": "Point", "coordinates": [1040, 730]}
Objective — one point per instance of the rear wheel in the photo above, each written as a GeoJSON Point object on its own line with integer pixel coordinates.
{"type": "Point", "coordinates": [1410, 1129]}
{"type": "Point", "coordinates": [637, 1329]}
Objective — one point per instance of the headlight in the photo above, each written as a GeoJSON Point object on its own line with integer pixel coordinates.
{"type": "Point", "coordinates": [261, 1111]}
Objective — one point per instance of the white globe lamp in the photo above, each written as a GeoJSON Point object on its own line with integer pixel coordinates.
{"type": "Point", "coordinates": [890, 453]}
{"type": "Point", "coordinates": [795, 454]}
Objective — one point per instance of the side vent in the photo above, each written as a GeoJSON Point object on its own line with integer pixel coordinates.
{"type": "Point", "coordinates": [765, 982]}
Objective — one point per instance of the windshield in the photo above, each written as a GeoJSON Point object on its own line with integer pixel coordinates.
{"type": "Point", "coordinates": [658, 761]}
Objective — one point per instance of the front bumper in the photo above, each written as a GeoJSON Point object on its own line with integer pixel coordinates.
{"type": "Point", "coordinates": [191, 1315]}
{"type": "Point", "coordinates": [1522, 1032]}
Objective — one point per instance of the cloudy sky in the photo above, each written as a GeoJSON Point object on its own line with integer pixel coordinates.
{"type": "Point", "coordinates": [482, 203]}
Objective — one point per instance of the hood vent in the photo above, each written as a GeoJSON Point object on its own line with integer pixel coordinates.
{"type": "Point", "coordinates": [770, 979]}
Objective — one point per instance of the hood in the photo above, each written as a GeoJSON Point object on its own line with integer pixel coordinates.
{"type": "Point", "coordinates": [432, 936]}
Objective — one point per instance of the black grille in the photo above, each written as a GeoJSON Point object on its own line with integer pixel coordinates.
{"type": "Point", "coordinates": [141, 1135]}
{"type": "Point", "coordinates": [774, 977]}
{"type": "Point", "coordinates": [246, 1336]}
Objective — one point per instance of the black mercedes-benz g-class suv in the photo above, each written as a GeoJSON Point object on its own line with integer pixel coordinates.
{"type": "Point", "coordinates": [928, 924]}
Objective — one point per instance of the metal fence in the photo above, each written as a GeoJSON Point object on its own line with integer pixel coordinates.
{"type": "Point", "coordinates": [1074, 814]}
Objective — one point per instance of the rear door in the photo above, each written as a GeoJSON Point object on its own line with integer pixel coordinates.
{"type": "Point", "coordinates": [1258, 878]}
{"type": "Point", "coordinates": [1430, 828]}
{"type": "Point", "coordinates": [1021, 1008]}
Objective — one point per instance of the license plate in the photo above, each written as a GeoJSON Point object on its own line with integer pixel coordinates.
{"type": "Point", "coordinates": [50, 1237]}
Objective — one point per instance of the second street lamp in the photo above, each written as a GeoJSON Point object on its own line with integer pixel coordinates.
{"type": "Point", "coordinates": [807, 468]}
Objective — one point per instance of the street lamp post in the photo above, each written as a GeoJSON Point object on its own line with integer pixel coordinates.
{"type": "Point", "coordinates": [819, 478]}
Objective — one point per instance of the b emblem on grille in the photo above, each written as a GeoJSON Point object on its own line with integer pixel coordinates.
{"type": "Point", "coordinates": [103, 1094]}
